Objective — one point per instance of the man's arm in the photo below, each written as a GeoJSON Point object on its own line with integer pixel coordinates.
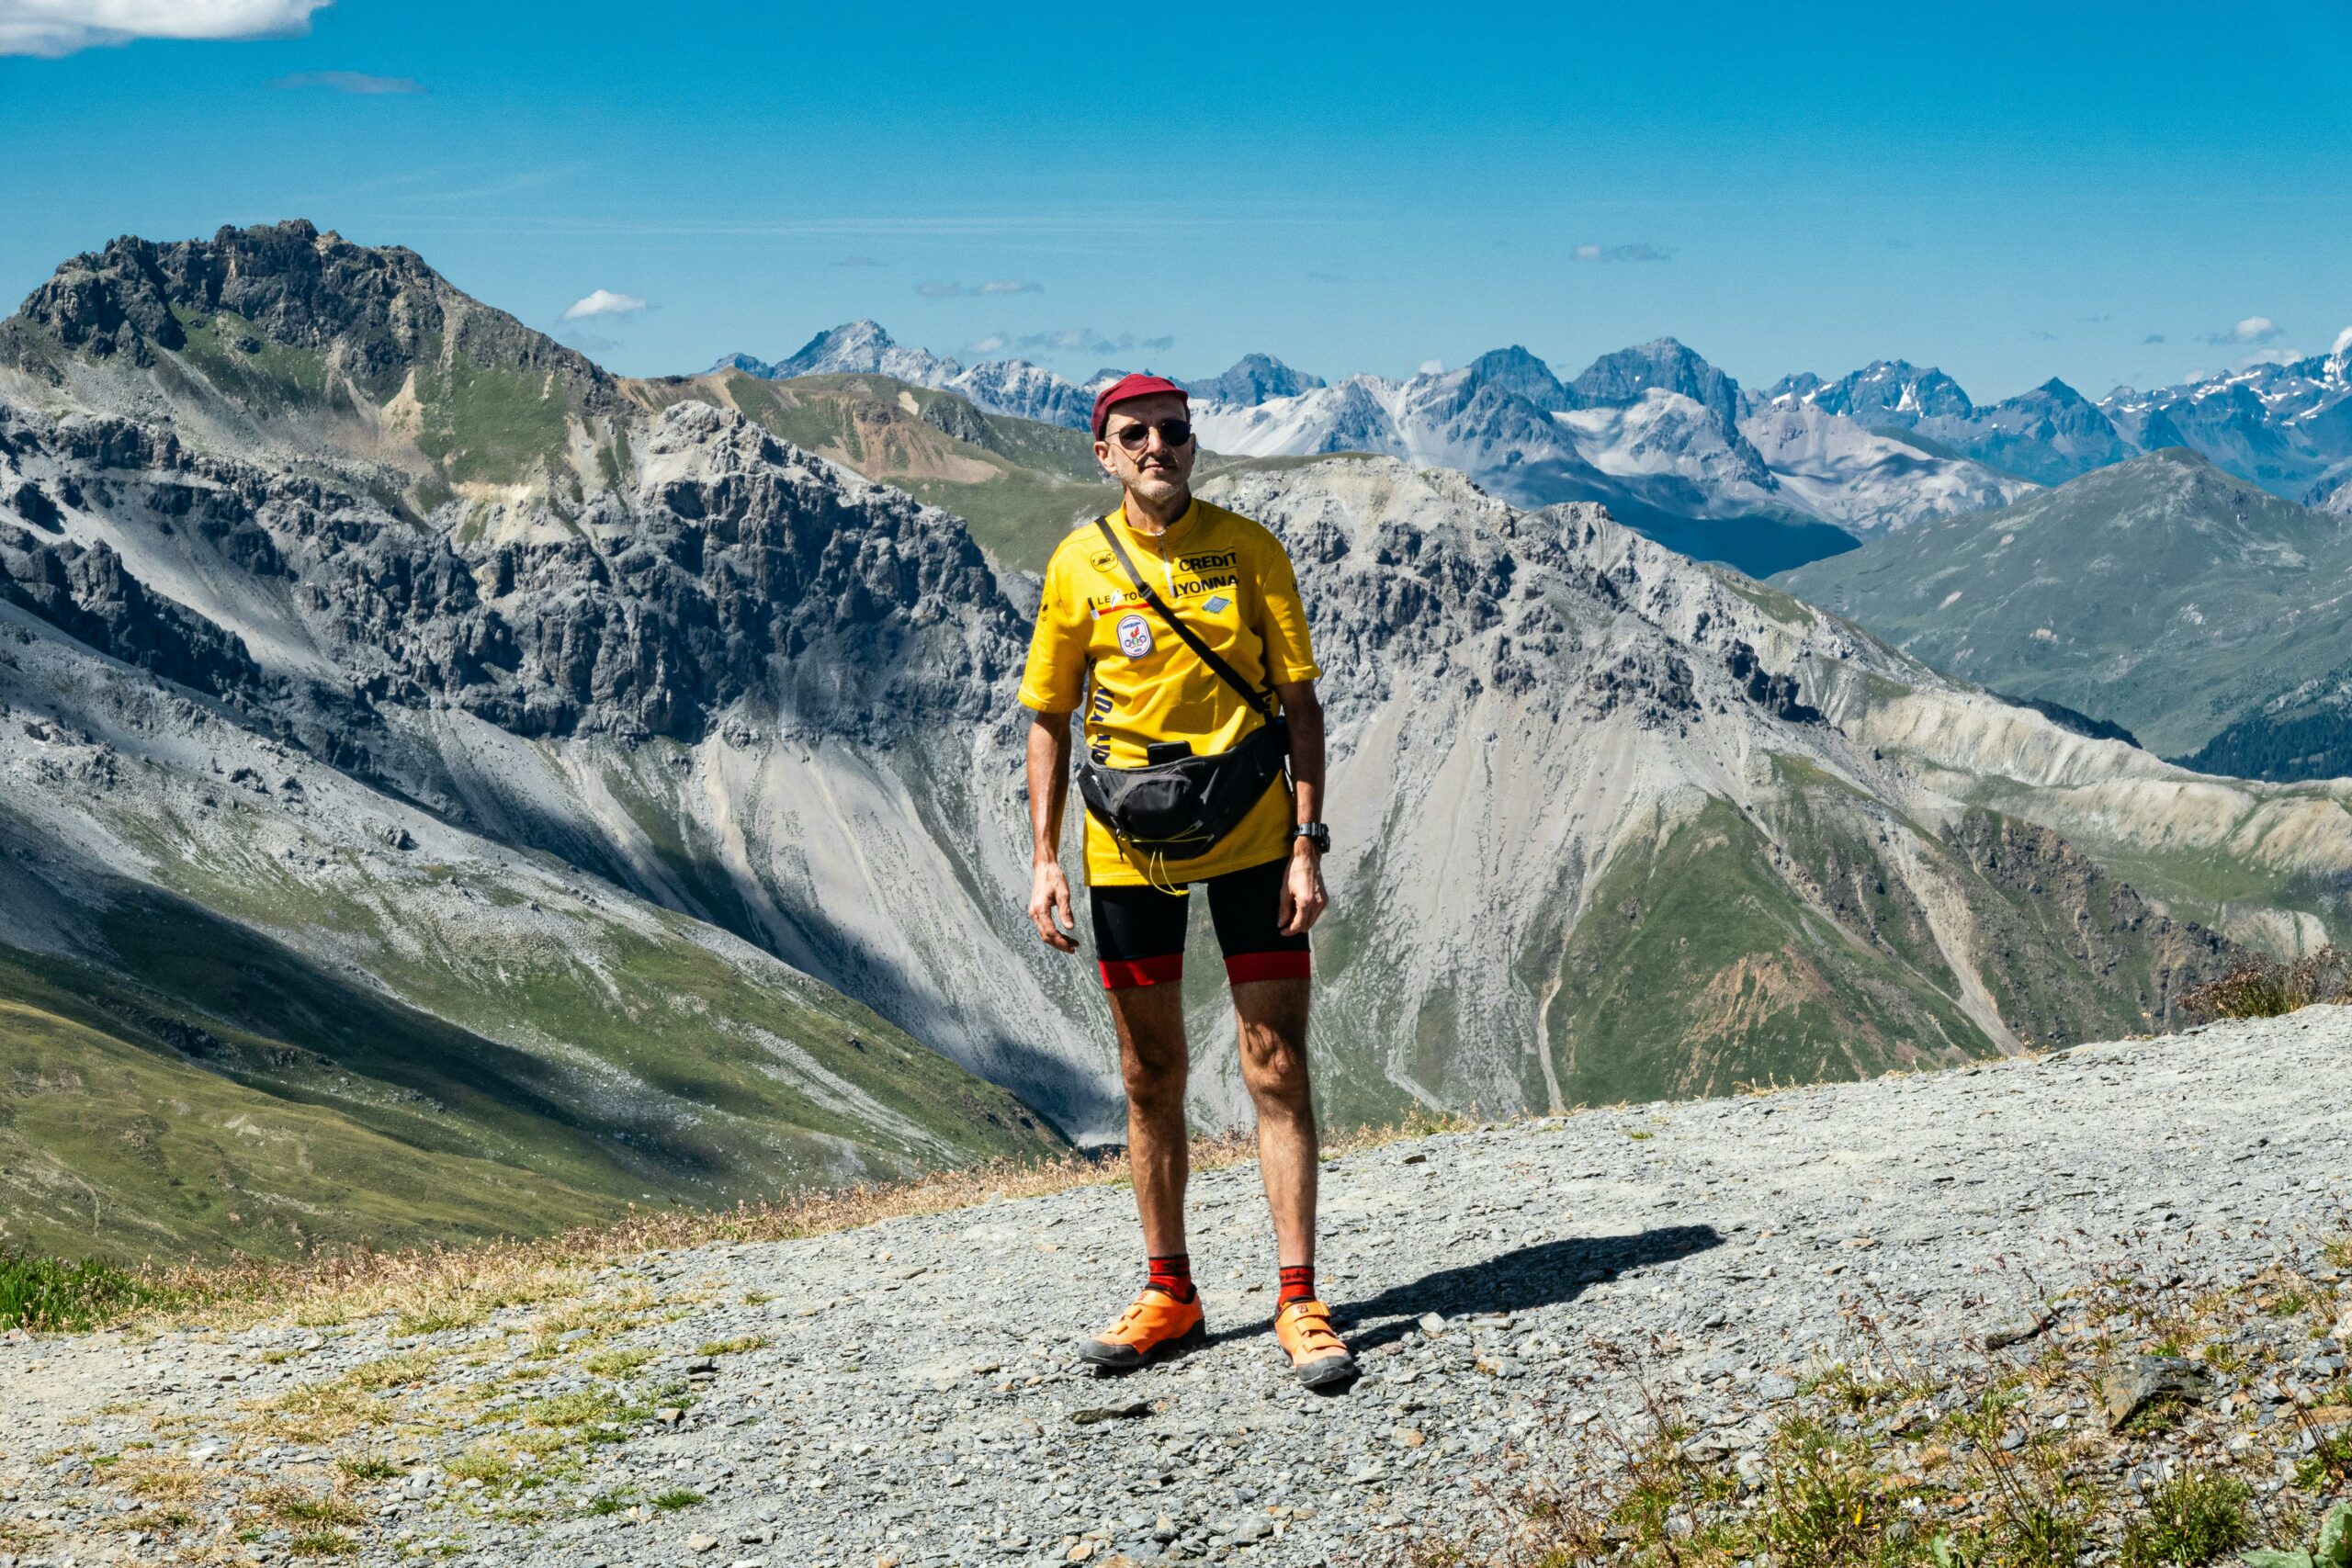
{"type": "Point", "coordinates": [1304, 899]}
{"type": "Point", "coordinates": [1049, 901]}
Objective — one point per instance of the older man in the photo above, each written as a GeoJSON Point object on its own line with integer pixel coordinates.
{"type": "Point", "coordinates": [1177, 626]}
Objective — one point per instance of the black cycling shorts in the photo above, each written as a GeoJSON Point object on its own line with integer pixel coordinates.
{"type": "Point", "coordinates": [1139, 931]}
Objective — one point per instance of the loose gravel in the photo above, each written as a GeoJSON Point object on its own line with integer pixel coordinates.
{"type": "Point", "coordinates": [905, 1395]}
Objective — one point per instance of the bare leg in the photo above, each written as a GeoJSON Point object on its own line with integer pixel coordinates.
{"type": "Point", "coordinates": [1272, 1018]}
{"type": "Point", "coordinates": [1152, 1059]}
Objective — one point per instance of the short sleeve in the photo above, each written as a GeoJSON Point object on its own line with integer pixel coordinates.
{"type": "Point", "coordinates": [1289, 656]}
{"type": "Point", "coordinates": [1054, 679]}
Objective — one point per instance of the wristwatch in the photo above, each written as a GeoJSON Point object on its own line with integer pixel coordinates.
{"type": "Point", "coordinates": [1316, 833]}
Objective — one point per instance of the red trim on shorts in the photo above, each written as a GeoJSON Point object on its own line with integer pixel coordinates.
{"type": "Point", "coordinates": [1287, 964]}
{"type": "Point", "coordinates": [1118, 974]}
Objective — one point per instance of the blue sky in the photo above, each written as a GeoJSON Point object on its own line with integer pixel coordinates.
{"type": "Point", "coordinates": [2098, 192]}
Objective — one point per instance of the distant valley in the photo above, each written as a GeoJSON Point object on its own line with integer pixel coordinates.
{"type": "Point", "coordinates": [2208, 617]}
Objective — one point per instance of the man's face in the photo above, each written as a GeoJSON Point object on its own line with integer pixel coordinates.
{"type": "Point", "coordinates": [1135, 451]}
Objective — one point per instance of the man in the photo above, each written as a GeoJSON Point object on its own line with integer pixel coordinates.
{"type": "Point", "coordinates": [1150, 696]}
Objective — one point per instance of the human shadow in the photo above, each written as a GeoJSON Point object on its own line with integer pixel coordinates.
{"type": "Point", "coordinates": [1519, 1280]}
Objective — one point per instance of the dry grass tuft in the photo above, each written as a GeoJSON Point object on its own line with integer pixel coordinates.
{"type": "Point", "coordinates": [159, 1479]}
{"type": "Point", "coordinates": [2264, 988]}
{"type": "Point", "coordinates": [293, 1506]}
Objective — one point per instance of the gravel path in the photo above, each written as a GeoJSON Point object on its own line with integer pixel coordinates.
{"type": "Point", "coordinates": [904, 1394]}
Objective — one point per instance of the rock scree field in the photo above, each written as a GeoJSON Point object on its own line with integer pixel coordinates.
{"type": "Point", "coordinates": [2101, 1295]}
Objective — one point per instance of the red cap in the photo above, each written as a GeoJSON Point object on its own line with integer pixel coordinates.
{"type": "Point", "coordinates": [1130, 387]}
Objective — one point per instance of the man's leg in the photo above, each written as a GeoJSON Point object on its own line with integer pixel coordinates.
{"type": "Point", "coordinates": [1139, 940]}
{"type": "Point", "coordinates": [1153, 1061]}
{"type": "Point", "coordinates": [1270, 976]}
{"type": "Point", "coordinates": [1272, 1017]}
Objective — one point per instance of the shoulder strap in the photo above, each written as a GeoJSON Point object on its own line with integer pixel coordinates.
{"type": "Point", "coordinates": [1223, 671]}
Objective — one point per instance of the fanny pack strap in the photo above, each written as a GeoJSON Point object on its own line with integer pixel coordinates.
{"type": "Point", "coordinates": [1258, 704]}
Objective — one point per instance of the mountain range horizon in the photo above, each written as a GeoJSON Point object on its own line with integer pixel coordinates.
{"type": "Point", "coordinates": [1257, 377]}
{"type": "Point", "coordinates": [1680, 450]}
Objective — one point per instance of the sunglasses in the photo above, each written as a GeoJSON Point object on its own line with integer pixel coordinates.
{"type": "Point", "coordinates": [1173, 433]}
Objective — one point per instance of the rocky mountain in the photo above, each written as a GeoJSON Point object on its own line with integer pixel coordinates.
{"type": "Point", "coordinates": [1884, 392]}
{"type": "Point", "coordinates": [2163, 594]}
{"type": "Point", "coordinates": [2333, 494]}
{"type": "Point", "coordinates": [1253, 378]}
{"type": "Point", "coordinates": [1662, 437]}
{"type": "Point", "coordinates": [645, 745]}
{"type": "Point", "coordinates": [1763, 481]}
{"type": "Point", "coordinates": [2047, 435]}
{"type": "Point", "coordinates": [1869, 481]}
{"type": "Point", "coordinates": [1655, 432]}
{"type": "Point", "coordinates": [1616, 380]}
{"type": "Point", "coordinates": [1012, 387]}
{"type": "Point", "coordinates": [2284, 427]}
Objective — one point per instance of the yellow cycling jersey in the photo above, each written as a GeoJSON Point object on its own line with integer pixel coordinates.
{"type": "Point", "coordinates": [1098, 644]}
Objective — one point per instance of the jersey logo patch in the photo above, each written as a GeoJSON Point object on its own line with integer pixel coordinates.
{"type": "Point", "coordinates": [1134, 636]}
{"type": "Point", "coordinates": [1216, 605]}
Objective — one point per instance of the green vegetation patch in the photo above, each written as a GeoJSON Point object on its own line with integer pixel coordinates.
{"type": "Point", "coordinates": [490, 422]}
{"type": "Point", "coordinates": [49, 1294]}
{"type": "Point", "coordinates": [1698, 969]}
{"type": "Point", "coordinates": [263, 375]}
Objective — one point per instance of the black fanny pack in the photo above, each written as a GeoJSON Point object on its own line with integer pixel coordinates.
{"type": "Point", "coordinates": [1182, 809]}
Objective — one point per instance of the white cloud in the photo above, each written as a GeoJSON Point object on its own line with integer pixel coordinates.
{"type": "Point", "coordinates": [2252, 329]}
{"type": "Point", "coordinates": [53, 27]}
{"type": "Point", "coordinates": [605, 302]}
{"type": "Point", "coordinates": [988, 345]}
{"type": "Point", "coordinates": [1432, 368]}
{"type": "Point", "coordinates": [2343, 341]}
{"type": "Point", "coordinates": [358, 81]}
{"type": "Point", "coordinates": [934, 288]}
{"type": "Point", "coordinates": [1086, 340]}
{"type": "Point", "coordinates": [1634, 252]}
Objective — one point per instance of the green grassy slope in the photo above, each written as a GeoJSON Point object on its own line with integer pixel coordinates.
{"type": "Point", "coordinates": [127, 1132]}
{"type": "Point", "coordinates": [1698, 970]}
{"type": "Point", "coordinates": [439, 1018]}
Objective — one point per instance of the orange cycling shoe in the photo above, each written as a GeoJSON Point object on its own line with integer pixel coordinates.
{"type": "Point", "coordinates": [1154, 1323]}
{"type": "Point", "coordinates": [1319, 1357]}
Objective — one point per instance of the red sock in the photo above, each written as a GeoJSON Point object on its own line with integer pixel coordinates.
{"type": "Point", "coordinates": [1171, 1276]}
{"type": "Point", "coordinates": [1298, 1284]}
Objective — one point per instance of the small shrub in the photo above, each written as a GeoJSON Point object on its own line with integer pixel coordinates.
{"type": "Point", "coordinates": [480, 1464]}
{"type": "Point", "coordinates": [1822, 1508]}
{"type": "Point", "coordinates": [612, 1502]}
{"type": "Point", "coordinates": [369, 1468]}
{"type": "Point", "coordinates": [2329, 1464]}
{"type": "Point", "coordinates": [49, 1294]}
{"type": "Point", "coordinates": [617, 1363]}
{"type": "Point", "coordinates": [322, 1543]}
{"type": "Point", "coordinates": [2264, 988]}
{"type": "Point", "coordinates": [2191, 1520]}
{"type": "Point", "coordinates": [733, 1347]}
{"type": "Point", "coordinates": [679, 1498]}
{"type": "Point", "coordinates": [299, 1508]}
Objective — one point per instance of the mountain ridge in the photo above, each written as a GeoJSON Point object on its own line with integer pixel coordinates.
{"type": "Point", "coordinates": [2059, 596]}
{"type": "Point", "coordinates": [751, 700]}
